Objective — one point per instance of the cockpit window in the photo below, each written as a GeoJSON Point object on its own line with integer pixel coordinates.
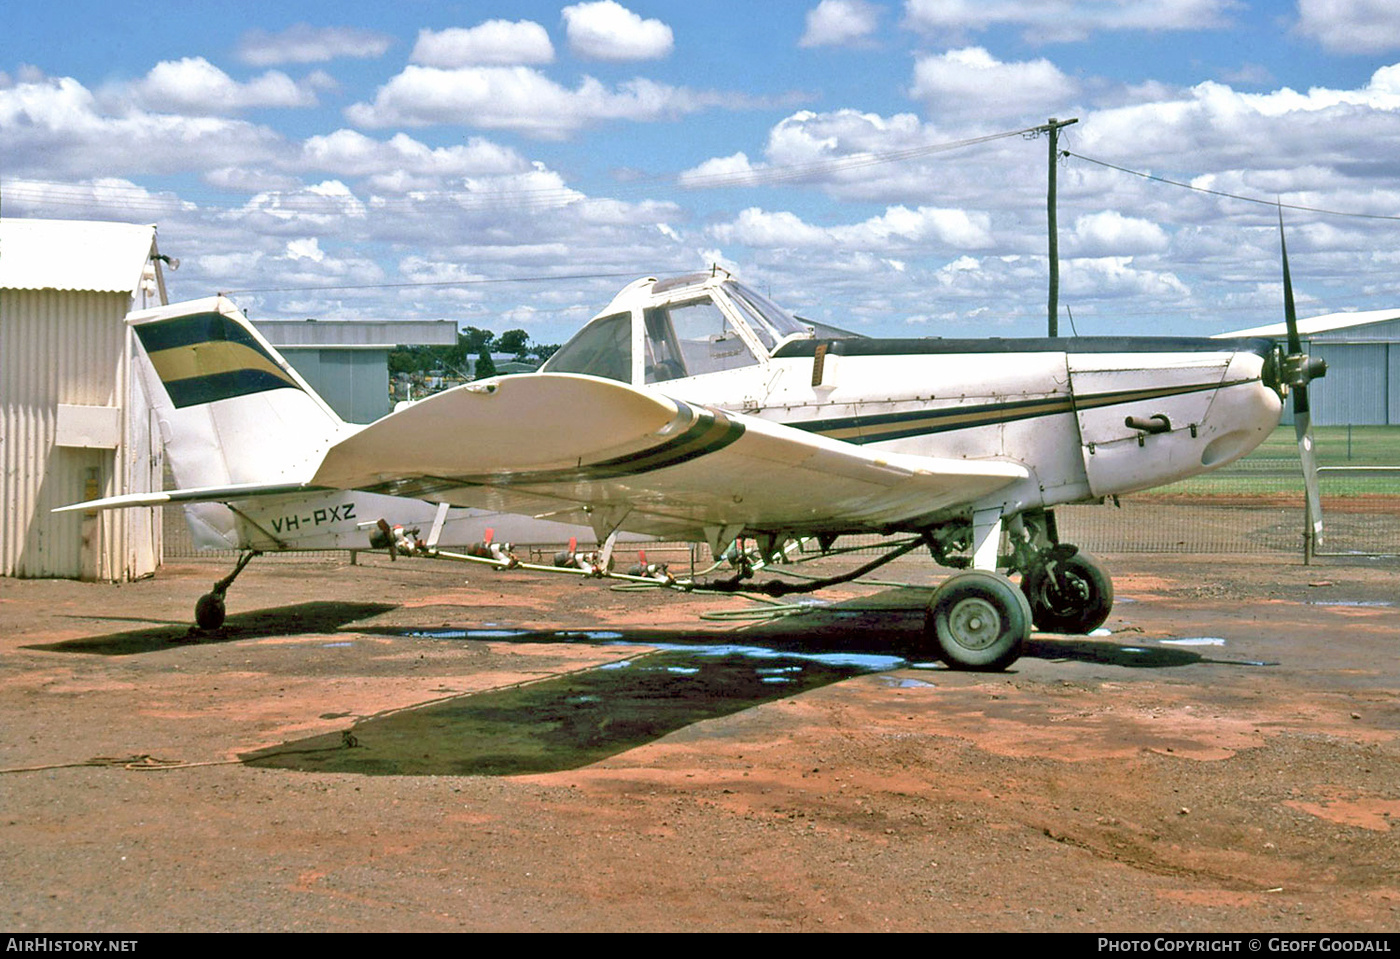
{"type": "Point", "coordinates": [691, 339]}
{"type": "Point", "coordinates": [769, 321]}
{"type": "Point", "coordinates": [602, 348]}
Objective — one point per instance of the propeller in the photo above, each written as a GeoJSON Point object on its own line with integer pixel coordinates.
{"type": "Point", "coordinates": [1299, 370]}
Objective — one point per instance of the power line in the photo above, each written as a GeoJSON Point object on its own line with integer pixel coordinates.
{"type": "Point", "coordinates": [61, 193]}
{"type": "Point", "coordinates": [1232, 196]}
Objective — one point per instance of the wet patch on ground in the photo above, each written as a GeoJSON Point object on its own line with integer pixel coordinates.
{"type": "Point", "coordinates": [569, 721]}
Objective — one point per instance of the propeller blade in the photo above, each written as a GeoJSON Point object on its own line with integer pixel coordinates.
{"type": "Point", "coordinates": [1290, 313]}
{"type": "Point", "coordinates": [1302, 429]}
{"type": "Point", "coordinates": [1302, 412]}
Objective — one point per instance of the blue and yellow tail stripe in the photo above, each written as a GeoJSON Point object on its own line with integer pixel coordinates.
{"type": "Point", "coordinates": [206, 357]}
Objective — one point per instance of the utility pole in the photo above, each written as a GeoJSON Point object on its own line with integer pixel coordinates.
{"type": "Point", "coordinates": [1053, 307]}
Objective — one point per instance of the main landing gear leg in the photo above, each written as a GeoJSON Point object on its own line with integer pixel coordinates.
{"type": "Point", "coordinates": [978, 619]}
{"type": "Point", "coordinates": [1068, 589]}
{"type": "Point", "coordinates": [209, 610]}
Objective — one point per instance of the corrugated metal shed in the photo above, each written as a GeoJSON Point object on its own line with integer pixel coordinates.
{"type": "Point", "coordinates": [72, 426]}
{"type": "Point", "coordinates": [347, 361]}
{"type": "Point", "coordinates": [1362, 350]}
{"type": "Point", "coordinates": [73, 255]}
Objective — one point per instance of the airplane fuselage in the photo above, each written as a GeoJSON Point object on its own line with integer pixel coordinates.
{"type": "Point", "coordinates": [1087, 417]}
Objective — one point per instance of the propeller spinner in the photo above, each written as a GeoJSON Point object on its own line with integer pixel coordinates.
{"type": "Point", "coordinates": [1299, 369]}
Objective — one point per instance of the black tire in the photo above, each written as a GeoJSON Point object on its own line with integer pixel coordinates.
{"type": "Point", "coordinates": [978, 620]}
{"type": "Point", "coordinates": [209, 612]}
{"type": "Point", "coordinates": [1080, 606]}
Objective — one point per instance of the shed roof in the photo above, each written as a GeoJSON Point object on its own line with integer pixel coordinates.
{"type": "Point", "coordinates": [358, 334]}
{"type": "Point", "coordinates": [87, 255]}
{"type": "Point", "coordinates": [1326, 323]}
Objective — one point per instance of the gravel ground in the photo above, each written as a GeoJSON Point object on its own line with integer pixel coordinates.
{"type": "Point", "coordinates": [588, 759]}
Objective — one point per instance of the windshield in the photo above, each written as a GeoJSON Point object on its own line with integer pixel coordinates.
{"type": "Point", "coordinates": [602, 348]}
{"type": "Point", "coordinates": [691, 339]}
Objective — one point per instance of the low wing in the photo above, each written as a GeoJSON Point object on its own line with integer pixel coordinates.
{"type": "Point", "coordinates": [586, 450]}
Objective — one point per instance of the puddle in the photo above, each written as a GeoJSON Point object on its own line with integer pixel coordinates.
{"type": "Point", "coordinates": [900, 682]}
{"type": "Point", "coordinates": [574, 720]}
{"type": "Point", "coordinates": [1194, 641]}
{"type": "Point", "coordinates": [1347, 602]}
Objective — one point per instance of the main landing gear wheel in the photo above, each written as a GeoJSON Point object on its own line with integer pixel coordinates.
{"type": "Point", "coordinates": [978, 620]}
{"type": "Point", "coordinates": [1068, 593]}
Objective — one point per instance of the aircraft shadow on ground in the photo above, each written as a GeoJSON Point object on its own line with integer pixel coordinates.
{"type": "Point", "coordinates": [586, 717]}
{"type": "Point", "coordinates": [317, 617]}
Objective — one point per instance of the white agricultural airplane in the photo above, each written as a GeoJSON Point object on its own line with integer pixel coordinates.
{"type": "Point", "coordinates": [694, 408]}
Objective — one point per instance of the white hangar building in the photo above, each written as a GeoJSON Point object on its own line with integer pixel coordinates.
{"type": "Point", "coordinates": [1362, 350]}
{"type": "Point", "coordinates": [73, 421]}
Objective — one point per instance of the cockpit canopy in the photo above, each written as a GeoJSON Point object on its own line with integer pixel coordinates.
{"type": "Point", "coordinates": [657, 330]}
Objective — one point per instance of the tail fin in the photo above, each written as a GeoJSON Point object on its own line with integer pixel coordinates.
{"type": "Point", "coordinates": [231, 410]}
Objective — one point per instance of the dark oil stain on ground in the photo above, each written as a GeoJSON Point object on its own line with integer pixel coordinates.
{"type": "Point", "coordinates": [563, 723]}
{"type": "Point", "coordinates": [318, 617]}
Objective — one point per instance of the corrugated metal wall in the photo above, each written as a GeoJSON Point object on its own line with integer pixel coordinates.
{"type": "Point", "coordinates": [64, 347]}
{"type": "Point", "coordinates": [1356, 388]}
{"type": "Point", "coordinates": [353, 382]}
{"type": "Point", "coordinates": [1362, 385]}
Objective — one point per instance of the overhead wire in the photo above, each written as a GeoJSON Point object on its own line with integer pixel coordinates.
{"type": "Point", "coordinates": [63, 193]}
{"type": "Point", "coordinates": [1231, 196]}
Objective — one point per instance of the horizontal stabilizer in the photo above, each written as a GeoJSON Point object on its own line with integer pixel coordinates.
{"type": "Point", "coordinates": [207, 494]}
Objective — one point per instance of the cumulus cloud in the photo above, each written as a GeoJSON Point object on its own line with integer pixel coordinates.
{"type": "Point", "coordinates": [733, 170]}
{"type": "Point", "coordinates": [839, 22]}
{"type": "Point", "coordinates": [193, 85]}
{"type": "Point", "coordinates": [519, 98]}
{"type": "Point", "coordinates": [57, 127]}
{"type": "Point", "coordinates": [971, 81]}
{"type": "Point", "coordinates": [493, 42]}
{"type": "Point", "coordinates": [350, 153]}
{"type": "Point", "coordinates": [1351, 26]}
{"type": "Point", "coordinates": [303, 43]}
{"type": "Point", "coordinates": [606, 30]}
{"type": "Point", "coordinates": [1111, 233]}
{"type": "Point", "coordinates": [898, 227]}
{"type": "Point", "coordinates": [1066, 22]}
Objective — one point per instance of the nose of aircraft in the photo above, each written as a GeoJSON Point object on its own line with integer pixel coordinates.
{"type": "Point", "coordinates": [1241, 416]}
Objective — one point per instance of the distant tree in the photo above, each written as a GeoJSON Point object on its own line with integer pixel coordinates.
{"type": "Point", "coordinates": [515, 342]}
{"type": "Point", "coordinates": [485, 366]}
{"type": "Point", "coordinates": [475, 340]}
{"type": "Point", "coordinates": [543, 351]}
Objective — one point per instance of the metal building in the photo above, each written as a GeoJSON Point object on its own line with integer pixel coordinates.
{"type": "Point", "coordinates": [1362, 350]}
{"type": "Point", "coordinates": [73, 423]}
{"type": "Point", "coordinates": [347, 361]}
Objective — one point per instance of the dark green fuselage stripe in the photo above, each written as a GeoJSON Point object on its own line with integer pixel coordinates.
{"type": "Point", "coordinates": [892, 426]}
{"type": "Point", "coordinates": [188, 333]}
{"type": "Point", "coordinates": [195, 329]}
{"type": "Point", "coordinates": [221, 386]}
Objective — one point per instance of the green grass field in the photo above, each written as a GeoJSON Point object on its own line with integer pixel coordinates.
{"type": "Point", "coordinates": [1273, 468]}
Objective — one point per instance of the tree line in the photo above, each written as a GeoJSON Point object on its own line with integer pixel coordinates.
{"type": "Point", "coordinates": [471, 342]}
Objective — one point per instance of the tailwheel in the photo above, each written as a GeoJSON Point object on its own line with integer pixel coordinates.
{"type": "Point", "coordinates": [209, 611]}
{"type": "Point", "coordinates": [978, 620]}
{"type": "Point", "coordinates": [1069, 591]}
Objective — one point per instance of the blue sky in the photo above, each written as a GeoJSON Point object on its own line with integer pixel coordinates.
{"type": "Point", "coordinates": [513, 164]}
